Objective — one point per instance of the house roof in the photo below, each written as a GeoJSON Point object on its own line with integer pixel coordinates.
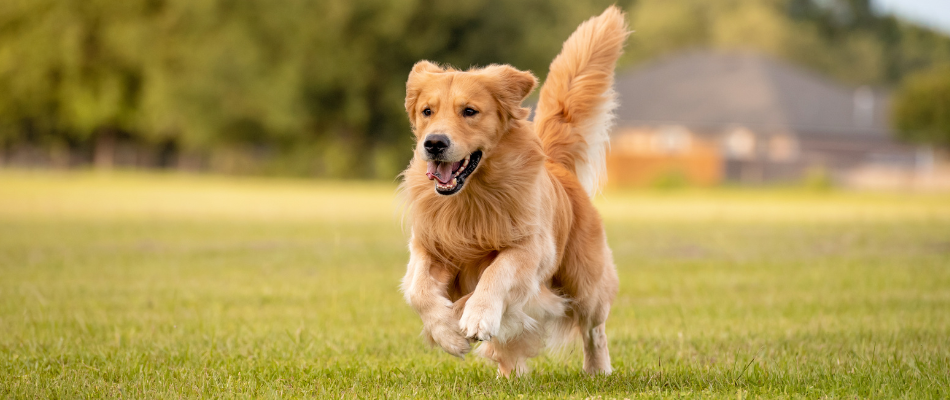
{"type": "Point", "coordinates": [706, 89]}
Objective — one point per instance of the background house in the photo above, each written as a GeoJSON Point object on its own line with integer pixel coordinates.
{"type": "Point", "coordinates": [709, 117]}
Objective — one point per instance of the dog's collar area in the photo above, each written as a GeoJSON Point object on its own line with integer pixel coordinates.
{"type": "Point", "coordinates": [457, 173]}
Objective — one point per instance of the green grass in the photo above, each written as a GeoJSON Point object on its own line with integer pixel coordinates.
{"type": "Point", "coordinates": [167, 286]}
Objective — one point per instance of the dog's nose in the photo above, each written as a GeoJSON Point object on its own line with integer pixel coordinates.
{"type": "Point", "coordinates": [436, 144]}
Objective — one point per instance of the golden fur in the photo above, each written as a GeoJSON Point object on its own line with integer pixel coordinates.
{"type": "Point", "coordinates": [517, 258]}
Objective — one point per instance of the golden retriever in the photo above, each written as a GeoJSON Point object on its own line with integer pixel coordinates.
{"type": "Point", "coordinates": [506, 246]}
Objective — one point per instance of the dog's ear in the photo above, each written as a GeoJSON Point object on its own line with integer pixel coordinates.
{"type": "Point", "coordinates": [510, 87]}
{"type": "Point", "coordinates": [413, 85]}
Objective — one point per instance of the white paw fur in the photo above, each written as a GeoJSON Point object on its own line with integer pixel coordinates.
{"type": "Point", "coordinates": [481, 319]}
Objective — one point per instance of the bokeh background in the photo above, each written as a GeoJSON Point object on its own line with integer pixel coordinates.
{"type": "Point", "coordinates": [198, 198]}
{"type": "Point", "coordinates": [315, 88]}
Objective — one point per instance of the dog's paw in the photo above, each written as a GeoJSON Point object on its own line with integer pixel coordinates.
{"type": "Point", "coordinates": [445, 334]}
{"type": "Point", "coordinates": [452, 342]}
{"type": "Point", "coordinates": [481, 320]}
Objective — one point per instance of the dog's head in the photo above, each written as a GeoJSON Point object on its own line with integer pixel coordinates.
{"type": "Point", "coordinates": [458, 117]}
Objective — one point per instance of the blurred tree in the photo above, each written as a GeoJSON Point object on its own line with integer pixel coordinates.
{"type": "Point", "coordinates": [922, 107]}
{"type": "Point", "coordinates": [315, 87]}
{"type": "Point", "coordinates": [662, 26]}
{"type": "Point", "coordinates": [861, 47]}
{"type": "Point", "coordinates": [67, 71]}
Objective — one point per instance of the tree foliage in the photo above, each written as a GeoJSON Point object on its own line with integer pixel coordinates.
{"type": "Point", "coordinates": [841, 38]}
{"type": "Point", "coordinates": [317, 86]}
{"type": "Point", "coordinates": [922, 107]}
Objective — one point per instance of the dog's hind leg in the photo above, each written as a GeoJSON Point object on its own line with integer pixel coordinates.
{"type": "Point", "coordinates": [596, 356]}
{"type": "Point", "coordinates": [594, 326]}
{"type": "Point", "coordinates": [512, 356]}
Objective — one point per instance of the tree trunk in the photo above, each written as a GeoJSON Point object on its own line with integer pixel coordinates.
{"type": "Point", "coordinates": [104, 156]}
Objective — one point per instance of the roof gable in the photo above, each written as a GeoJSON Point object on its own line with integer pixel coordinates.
{"type": "Point", "coordinates": [710, 89]}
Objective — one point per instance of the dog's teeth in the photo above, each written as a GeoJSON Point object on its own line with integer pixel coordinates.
{"type": "Point", "coordinates": [454, 182]}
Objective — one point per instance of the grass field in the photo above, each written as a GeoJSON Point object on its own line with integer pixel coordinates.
{"type": "Point", "coordinates": [167, 286]}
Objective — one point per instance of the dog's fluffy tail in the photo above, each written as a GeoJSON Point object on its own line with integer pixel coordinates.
{"type": "Point", "coordinates": [575, 111]}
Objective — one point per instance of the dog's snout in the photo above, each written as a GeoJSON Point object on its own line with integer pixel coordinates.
{"type": "Point", "coordinates": [436, 144]}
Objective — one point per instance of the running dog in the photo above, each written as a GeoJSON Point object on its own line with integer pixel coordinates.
{"type": "Point", "coordinates": [506, 247]}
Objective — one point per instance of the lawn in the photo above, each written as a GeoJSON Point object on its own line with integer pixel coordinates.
{"type": "Point", "coordinates": [164, 286]}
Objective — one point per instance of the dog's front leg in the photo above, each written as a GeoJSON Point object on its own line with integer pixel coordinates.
{"type": "Point", "coordinates": [425, 286]}
{"type": "Point", "coordinates": [510, 279]}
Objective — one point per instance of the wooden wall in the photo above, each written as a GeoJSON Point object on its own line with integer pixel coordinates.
{"type": "Point", "coordinates": [700, 166]}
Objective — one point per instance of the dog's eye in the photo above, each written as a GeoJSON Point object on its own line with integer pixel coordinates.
{"type": "Point", "coordinates": [468, 112]}
{"type": "Point", "coordinates": [427, 112]}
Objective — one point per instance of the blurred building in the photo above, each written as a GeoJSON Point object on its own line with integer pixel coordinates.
{"type": "Point", "coordinates": [708, 117]}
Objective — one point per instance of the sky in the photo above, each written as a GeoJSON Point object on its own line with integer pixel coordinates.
{"type": "Point", "coordinates": [931, 13]}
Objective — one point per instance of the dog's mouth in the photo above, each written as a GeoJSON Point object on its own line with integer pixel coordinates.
{"type": "Point", "coordinates": [450, 176]}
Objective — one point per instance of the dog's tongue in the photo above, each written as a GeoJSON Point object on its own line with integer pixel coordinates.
{"type": "Point", "coordinates": [441, 171]}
